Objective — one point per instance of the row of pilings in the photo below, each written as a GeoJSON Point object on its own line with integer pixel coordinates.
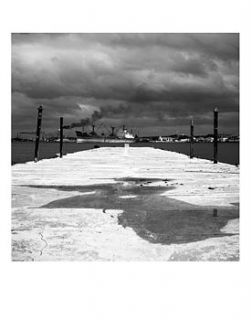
{"type": "Point", "coordinates": [39, 124]}
{"type": "Point", "coordinates": [215, 139]}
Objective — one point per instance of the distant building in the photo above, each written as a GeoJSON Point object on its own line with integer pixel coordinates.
{"type": "Point", "coordinates": [165, 139]}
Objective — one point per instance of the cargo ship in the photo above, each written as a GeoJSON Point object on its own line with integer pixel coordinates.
{"type": "Point", "coordinates": [123, 136]}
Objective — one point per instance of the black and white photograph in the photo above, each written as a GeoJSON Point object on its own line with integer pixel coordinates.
{"type": "Point", "coordinates": [125, 160]}
{"type": "Point", "coordinates": [125, 146]}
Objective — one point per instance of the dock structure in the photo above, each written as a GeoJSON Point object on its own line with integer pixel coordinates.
{"type": "Point", "coordinates": [106, 204]}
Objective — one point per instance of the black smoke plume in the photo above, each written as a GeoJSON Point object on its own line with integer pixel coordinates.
{"type": "Point", "coordinates": [86, 121]}
{"type": "Point", "coordinates": [108, 111]}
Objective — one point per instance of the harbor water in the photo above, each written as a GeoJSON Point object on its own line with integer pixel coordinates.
{"type": "Point", "coordinates": [22, 152]}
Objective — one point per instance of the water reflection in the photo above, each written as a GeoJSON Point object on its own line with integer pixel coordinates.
{"type": "Point", "coordinates": [154, 217]}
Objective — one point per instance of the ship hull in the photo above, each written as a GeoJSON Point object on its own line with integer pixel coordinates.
{"type": "Point", "coordinates": [103, 140]}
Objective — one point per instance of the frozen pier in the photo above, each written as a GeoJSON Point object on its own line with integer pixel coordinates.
{"type": "Point", "coordinates": [114, 204]}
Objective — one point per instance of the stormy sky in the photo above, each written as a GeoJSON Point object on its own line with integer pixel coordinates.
{"type": "Point", "coordinates": [152, 83]}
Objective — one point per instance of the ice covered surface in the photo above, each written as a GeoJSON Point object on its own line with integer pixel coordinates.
{"type": "Point", "coordinates": [40, 232]}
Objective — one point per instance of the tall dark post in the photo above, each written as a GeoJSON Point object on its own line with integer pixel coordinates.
{"type": "Point", "coordinates": [61, 137]}
{"type": "Point", "coordinates": [191, 139]}
{"type": "Point", "coordinates": [39, 122]}
{"type": "Point", "coordinates": [215, 135]}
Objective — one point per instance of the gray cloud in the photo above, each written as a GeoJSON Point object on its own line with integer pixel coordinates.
{"type": "Point", "coordinates": [150, 81]}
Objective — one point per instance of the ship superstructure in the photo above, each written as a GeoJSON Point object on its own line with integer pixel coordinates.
{"type": "Point", "coordinates": [115, 136]}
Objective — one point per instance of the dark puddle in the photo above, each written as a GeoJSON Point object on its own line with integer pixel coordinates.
{"type": "Point", "coordinates": [153, 217]}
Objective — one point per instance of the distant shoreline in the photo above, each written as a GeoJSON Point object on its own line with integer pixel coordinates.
{"type": "Point", "coordinates": [23, 152]}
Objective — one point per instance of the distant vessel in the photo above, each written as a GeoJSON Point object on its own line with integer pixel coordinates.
{"type": "Point", "coordinates": [121, 137]}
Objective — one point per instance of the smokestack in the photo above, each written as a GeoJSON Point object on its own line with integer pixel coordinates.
{"type": "Point", "coordinates": [113, 131]}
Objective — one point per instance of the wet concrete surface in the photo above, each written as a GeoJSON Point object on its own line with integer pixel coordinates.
{"type": "Point", "coordinates": [154, 217]}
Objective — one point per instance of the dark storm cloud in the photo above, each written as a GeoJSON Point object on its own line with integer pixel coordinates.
{"type": "Point", "coordinates": [146, 80]}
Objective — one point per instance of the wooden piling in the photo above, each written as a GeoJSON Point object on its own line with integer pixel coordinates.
{"type": "Point", "coordinates": [38, 131]}
{"type": "Point", "coordinates": [215, 135]}
{"type": "Point", "coordinates": [61, 137]}
{"type": "Point", "coordinates": [191, 139]}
